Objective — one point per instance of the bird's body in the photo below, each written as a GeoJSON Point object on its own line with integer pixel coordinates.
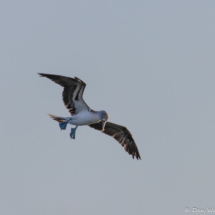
{"type": "Point", "coordinates": [82, 114]}
{"type": "Point", "coordinates": [84, 118]}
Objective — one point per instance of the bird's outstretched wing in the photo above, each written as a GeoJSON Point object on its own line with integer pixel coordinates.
{"type": "Point", "coordinates": [72, 93]}
{"type": "Point", "coordinates": [121, 134]}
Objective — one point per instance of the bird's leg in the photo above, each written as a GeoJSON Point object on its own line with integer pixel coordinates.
{"type": "Point", "coordinates": [64, 124]}
{"type": "Point", "coordinates": [72, 134]}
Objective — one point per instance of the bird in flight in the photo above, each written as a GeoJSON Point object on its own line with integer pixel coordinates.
{"type": "Point", "coordinates": [82, 114]}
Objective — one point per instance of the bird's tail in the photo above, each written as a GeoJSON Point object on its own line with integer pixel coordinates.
{"type": "Point", "coordinates": [62, 121]}
{"type": "Point", "coordinates": [57, 118]}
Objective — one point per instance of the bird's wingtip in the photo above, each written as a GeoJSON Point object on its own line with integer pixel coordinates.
{"type": "Point", "coordinates": [40, 74]}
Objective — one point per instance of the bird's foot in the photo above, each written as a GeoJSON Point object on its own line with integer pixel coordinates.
{"type": "Point", "coordinates": [64, 124]}
{"type": "Point", "coordinates": [72, 134]}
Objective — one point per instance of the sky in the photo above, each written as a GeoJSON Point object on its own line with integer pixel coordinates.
{"type": "Point", "coordinates": [150, 65]}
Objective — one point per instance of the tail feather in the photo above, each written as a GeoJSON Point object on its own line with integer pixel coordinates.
{"type": "Point", "coordinates": [57, 118]}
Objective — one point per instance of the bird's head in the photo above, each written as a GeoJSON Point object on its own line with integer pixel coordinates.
{"type": "Point", "coordinates": [104, 118]}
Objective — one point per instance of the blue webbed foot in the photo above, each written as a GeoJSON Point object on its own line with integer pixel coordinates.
{"type": "Point", "coordinates": [64, 124]}
{"type": "Point", "coordinates": [72, 134]}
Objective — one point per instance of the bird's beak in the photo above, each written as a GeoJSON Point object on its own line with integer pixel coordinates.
{"type": "Point", "coordinates": [103, 125]}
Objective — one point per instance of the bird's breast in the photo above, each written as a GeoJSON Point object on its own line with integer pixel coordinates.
{"type": "Point", "coordinates": [84, 118]}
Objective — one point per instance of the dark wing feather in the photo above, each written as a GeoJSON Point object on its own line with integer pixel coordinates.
{"type": "Point", "coordinates": [70, 85]}
{"type": "Point", "coordinates": [121, 134]}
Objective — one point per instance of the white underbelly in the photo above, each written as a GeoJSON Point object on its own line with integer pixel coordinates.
{"type": "Point", "coordinates": [85, 118]}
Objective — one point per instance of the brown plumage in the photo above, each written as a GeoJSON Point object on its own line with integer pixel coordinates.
{"type": "Point", "coordinates": [121, 134]}
{"type": "Point", "coordinates": [57, 118]}
{"type": "Point", "coordinates": [70, 85]}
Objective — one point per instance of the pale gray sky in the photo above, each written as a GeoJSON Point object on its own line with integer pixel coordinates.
{"type": "Point", "coordinates": [149, 64]}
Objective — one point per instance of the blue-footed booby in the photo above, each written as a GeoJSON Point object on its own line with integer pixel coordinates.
{"type": "Point", "coordinates": [82, 114]}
